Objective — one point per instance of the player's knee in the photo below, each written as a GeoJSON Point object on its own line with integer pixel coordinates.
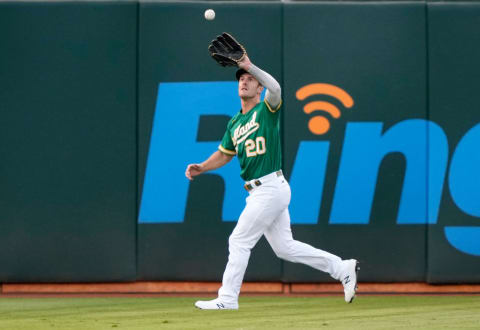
{"type": "Point", "coordinates": [283, 253]}
{"type": "Point", "coordinates": [239, 245]}
{"type": "Point", "coordinates": [235, 243]}
{"type": "Point", "coordinates": [232, 241]}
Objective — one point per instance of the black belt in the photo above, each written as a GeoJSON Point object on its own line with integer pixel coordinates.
{"type": "Point", "coordinates": [258, 183]}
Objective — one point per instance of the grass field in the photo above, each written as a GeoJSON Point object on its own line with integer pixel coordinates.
{"type": "Point", "coordinates": [366, 312]}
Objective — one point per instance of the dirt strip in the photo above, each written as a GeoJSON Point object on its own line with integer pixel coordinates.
{"type": "Point", "coordinates": [210, 288]}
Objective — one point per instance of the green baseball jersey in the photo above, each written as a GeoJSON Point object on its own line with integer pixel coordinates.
{"type": "Point", "coordinates": [255, 138]}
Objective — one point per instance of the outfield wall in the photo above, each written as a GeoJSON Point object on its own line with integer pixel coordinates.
{"type": "Point", "coordinates": [105, 103]}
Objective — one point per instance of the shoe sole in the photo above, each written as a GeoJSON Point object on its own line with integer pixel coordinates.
{"type": "Point", "coordinates": [216, 309]}
{"type": "Point", "coordinates": [357, 269]}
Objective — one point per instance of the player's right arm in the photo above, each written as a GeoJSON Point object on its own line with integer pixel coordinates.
{"type": "Point", "coordinates": [273, 96]}
{"type": "Point", "coordinates": [216, 160]}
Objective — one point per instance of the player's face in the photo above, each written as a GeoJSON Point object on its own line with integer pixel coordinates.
{"type": "Point", "coordinates": [249, 87]}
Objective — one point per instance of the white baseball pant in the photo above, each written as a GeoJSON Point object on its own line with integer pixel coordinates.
{"type": "Point", "coordinates": [266, 213]}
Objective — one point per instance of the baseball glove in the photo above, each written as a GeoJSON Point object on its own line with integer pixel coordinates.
{"type": "Point", "coordinates": [226, 50]}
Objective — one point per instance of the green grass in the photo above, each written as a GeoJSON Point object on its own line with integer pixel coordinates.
{"type": "Point", "coordinates": [366, 312]}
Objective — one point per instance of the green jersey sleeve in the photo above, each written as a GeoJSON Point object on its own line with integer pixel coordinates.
{"type": "Point", "coordinates": [226, 146]}
{"type": "Point", "coordinates": [271, 109]}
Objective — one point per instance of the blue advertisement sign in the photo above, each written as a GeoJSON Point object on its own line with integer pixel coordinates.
{"type": "Point", "coordinates": [423, 144]}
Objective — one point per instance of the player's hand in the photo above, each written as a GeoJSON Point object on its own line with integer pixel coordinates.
{"type": "Point", "coordinates": [245, 63]}
{"type": "Point", "coordinates": [193, 170]}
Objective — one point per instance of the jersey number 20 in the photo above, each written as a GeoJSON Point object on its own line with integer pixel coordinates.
{"type": "Point", "coordinates": [256, 147]}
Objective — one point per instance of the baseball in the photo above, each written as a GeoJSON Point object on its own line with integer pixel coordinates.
{"type": "Point", "coordinates": [209, 14]}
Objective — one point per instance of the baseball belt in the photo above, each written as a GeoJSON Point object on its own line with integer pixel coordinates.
{"type": "Point", "coordinates": [258, 182]}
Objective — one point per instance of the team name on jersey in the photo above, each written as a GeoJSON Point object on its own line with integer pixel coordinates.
{"type": "Point", "coordinates": [242, 132]}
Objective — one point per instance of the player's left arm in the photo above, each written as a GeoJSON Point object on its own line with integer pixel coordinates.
{"type": "Point", "coordinates": [273, 96]}
{"type": "Point", "coordinates": [216, 160]}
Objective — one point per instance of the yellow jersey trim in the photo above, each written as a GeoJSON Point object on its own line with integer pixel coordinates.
{"type": "Point", "coordinates": [226, 151]}
{"type": "Point", "coordinates": [273, 110]}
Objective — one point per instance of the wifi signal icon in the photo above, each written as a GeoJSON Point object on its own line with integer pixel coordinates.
{"type": "Point", "coordinates": [319, 125]}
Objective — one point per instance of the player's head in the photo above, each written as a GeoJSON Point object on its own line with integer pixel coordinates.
{"type": "Point", "coordinates": [248, 86]}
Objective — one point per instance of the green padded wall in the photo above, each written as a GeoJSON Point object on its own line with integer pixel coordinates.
{"type": "Point", "coordinates": [68, 109]}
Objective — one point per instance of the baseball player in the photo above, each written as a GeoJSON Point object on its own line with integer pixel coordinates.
{"type": "Point", "coordinates": [253, 136]}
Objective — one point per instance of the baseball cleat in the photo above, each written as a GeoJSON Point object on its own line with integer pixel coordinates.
{"type": "Point", "coordinates": [215, 304]}
{"type": "Point", "coordinates": [349, 280]}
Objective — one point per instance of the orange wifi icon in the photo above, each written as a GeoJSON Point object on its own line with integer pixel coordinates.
{"type": "Point", "coordinates": [318, 124]}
